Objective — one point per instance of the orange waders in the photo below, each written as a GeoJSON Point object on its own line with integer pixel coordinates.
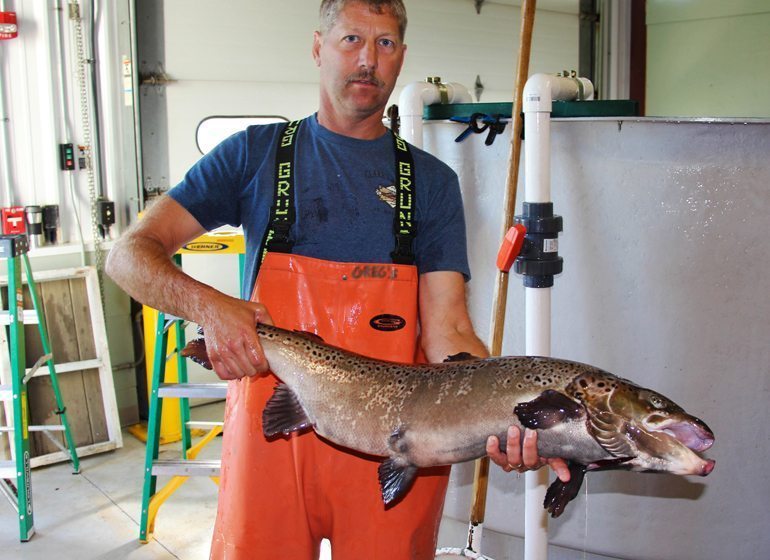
{"type": "Point", "coordinates": [279, 498]}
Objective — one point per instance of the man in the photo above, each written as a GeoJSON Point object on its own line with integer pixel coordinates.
{"type": "Point", "coordinates": [313, 200]}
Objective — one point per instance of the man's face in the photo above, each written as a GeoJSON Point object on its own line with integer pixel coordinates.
{"type": "Point", "coordinates": [360, 59]}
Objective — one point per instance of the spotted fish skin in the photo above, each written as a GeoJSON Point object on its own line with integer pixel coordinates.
{"type": "Point", "coordinates": [426, 415]}
{"type": "Point", "coordinates": [359, 402]}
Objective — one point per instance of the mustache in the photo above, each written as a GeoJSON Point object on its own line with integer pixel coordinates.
{"type": "Point", "coordinates": [364, 76]}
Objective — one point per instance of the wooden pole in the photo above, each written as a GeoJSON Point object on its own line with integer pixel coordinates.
{"type": "Point", "coordinates": [481, 475]}
{"type": "Point", "coordinates": [517, 124]}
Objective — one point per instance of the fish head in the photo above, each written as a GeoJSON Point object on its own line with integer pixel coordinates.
{"type": "Point", "coordinates": [654, 432]}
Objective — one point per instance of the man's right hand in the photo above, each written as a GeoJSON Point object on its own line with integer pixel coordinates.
{"type": "Point", "coordinates": [140, 263]}
{"type": "Point", "coordinates": [232, 344]}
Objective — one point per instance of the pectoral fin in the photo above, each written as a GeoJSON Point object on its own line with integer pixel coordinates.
{"type": "Point", "coordinates": [283, 413]}
{"type": "Point", "coordinates": [396, 477]}
{"type": "Point", "coordinates": [548, 410]}
{"type": "Point", "coordinates": [559, 493]}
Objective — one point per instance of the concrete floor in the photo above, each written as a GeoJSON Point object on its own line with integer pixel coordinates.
{"type": "Point", "coordinates": [95, 515]}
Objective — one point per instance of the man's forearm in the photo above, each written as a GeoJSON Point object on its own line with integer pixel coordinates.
{"type": "Point", "coordinates": [141, 267]}
{"type": "Point", "coordinates": [446, 325]}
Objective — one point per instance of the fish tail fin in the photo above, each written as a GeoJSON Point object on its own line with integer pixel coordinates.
{"type": "Point", "coordinates": [196, 351]}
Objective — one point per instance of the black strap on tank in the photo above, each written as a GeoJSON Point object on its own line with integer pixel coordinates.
{"type": "Point", "coordinates": [404, 225]}
{"type": "Point", "coordinates": [283, 214]}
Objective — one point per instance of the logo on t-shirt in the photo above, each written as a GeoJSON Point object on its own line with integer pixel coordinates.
{"type": "Point", "coordinates": [387, 195]}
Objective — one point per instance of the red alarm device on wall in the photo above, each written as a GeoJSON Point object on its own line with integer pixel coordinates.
{"type": "Point", "coordinates": [8, 27]}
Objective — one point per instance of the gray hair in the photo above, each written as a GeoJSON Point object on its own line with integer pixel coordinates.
{"type": "Point", "coordinates": [330, 9]}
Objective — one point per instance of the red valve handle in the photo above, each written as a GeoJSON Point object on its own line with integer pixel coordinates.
{"type": "Point", "coordinates": [511, 247]}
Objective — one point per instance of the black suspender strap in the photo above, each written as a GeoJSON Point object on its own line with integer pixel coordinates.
{"type": "Point", "coordinates": [404, 225]}
{"type": "Point", "coordinates": [282, 214]}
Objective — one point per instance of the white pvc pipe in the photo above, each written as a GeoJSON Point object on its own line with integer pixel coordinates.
{"type": "Point", "coordinates": [5, 134]}
{"type": "Point", "coordinates": [538, 321]}
{"type": "Point", "coordinates": [537, 343]}
{"type": "Point", "coordinates": [413, 99]}
{"type": "Point", "coordinates": [133, 37]}
{"type": "Point", "coordinates": [44, 189]}
{"type": "Point", "coordinates": [539, 92]}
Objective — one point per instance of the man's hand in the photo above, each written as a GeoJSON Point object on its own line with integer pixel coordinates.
{"type": "Point", "coordinates": [522, 457]}
{"type": "Point", "coordinates": [232, 344]}
{"type": "Point", "coordinates": [140, 263]}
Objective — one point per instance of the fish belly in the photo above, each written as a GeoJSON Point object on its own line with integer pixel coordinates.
{"type": "Point", "coordinates": [572, 441]}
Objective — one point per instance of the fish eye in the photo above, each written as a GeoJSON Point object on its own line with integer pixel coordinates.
{"type": "Point", "coordinates": [656, 401]}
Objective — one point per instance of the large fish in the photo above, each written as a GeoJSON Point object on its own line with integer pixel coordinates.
{"type": "Point", "coordinates": [439, 414]}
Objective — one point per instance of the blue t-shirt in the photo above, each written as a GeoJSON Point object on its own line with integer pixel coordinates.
{"type": "Point", "coordinates": [344, 198]}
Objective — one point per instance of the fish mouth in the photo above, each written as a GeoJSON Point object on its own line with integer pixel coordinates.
{"type": "Point", "coordinates": [692, 433]}
{"type": "Point", "coordinates": [708, 466]}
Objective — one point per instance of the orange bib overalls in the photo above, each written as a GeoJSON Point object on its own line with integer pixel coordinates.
{"type": "Point", "coordinates": [278, 498]}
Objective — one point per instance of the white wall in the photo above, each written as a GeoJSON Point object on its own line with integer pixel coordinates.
{"type": "Point", "coordinates": [706, 58]}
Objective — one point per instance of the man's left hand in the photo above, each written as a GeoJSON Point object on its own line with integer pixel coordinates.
{"type": "Point", "coordinates": [522, 456]}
